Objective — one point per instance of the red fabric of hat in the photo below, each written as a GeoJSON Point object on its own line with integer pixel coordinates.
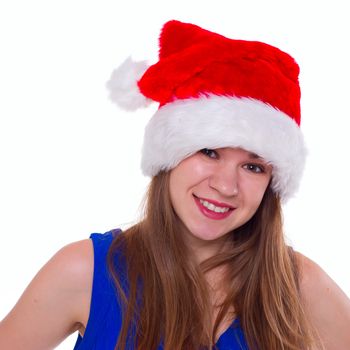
{"type": "Point", "coordinates": [194, 61]}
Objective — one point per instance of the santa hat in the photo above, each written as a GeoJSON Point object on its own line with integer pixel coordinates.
{"type": "Point", "coordinates": [216, 92]}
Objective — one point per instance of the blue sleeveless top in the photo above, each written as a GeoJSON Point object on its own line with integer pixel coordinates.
{"type": "Point", "coordinates": [105, 317]}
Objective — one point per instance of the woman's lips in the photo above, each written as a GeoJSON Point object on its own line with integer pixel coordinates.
{"type": "Point", "coordinates": [213, 209]}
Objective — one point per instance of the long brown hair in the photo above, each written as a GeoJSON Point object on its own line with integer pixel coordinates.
{"type": "Point", "coordinates": [166, 296]}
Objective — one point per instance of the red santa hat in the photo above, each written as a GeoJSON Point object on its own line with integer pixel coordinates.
{"type": "Point", "coordinates": [216, 92]}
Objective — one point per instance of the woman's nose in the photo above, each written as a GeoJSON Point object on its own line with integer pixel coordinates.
{"type": "Point", "coordinates": [225, 180]}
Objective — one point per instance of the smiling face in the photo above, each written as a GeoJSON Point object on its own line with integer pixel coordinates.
{"type": "Point", "coordinates": [216, 191]}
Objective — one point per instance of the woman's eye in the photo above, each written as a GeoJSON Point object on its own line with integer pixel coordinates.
{"type": "Point", "coordinates": [209, 153]}
{"type": "Point", "coordinates": [255, 168]}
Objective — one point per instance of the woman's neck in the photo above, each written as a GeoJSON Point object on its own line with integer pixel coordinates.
{"type": "Point", "coordinates": [205, 249]}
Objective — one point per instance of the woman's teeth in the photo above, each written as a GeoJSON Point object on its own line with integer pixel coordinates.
{"type": "Point", "coordinates": [212, 207]}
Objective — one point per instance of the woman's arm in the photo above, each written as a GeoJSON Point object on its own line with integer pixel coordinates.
{"type": "Point", "coordinates": [327, 306]}
{"type": "Point", "coordinates": [55, 304]}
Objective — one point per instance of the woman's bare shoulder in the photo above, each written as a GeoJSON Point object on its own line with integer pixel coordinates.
{"type": "Point", "coordinates": [327, 306]}
{"type": "Point", "coordinates": [311, 274]}
{"type": "Point", "coordinates": [56, 302]}
{"type": "Point", "coordinates": [77, 259]}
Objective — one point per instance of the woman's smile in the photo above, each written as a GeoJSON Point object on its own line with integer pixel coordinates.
{"type": "Point", "coordinates": [212, 209]}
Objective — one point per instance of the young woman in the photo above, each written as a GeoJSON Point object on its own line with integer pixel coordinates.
{"type": "Point", "coordinates": [207, 266]}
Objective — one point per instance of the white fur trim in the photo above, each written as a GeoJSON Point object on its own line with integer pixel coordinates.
{"type": "Point", "coordinates": [183, 127]}
{"type": "Point", "coordinates": [123, 85]}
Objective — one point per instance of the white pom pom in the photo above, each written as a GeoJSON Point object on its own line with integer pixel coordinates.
{"type": "Point", "coordinates": [123, 85]}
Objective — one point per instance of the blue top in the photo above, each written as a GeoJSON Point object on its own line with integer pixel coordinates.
{"type": "Point", "coordinates": [105, 317]}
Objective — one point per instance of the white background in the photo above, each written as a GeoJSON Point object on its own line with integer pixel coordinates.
{"type": "Point", "coordinates": [69, 159]}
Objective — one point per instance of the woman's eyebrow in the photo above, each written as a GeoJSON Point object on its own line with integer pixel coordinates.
{"type": "Point", "coordinates": [254, 156]}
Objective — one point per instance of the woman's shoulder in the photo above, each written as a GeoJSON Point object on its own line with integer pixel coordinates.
{"type": "Point", "coordinates": [60, 292]}
{"type": "Point", "coordinates": [326, 305]}
{"type": "Point", "coordinates": [78, 258]}
{"type": "Point", "coordinates": [311, 274]}
{"type": "Point", "coordinates": [313, 279]}
{"type": "Point", "coordinates": [76, 262]}
{"type": "Point", "coordinates": [82, 259]}
{"type": "Point", "coordinates": [316, 285]}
